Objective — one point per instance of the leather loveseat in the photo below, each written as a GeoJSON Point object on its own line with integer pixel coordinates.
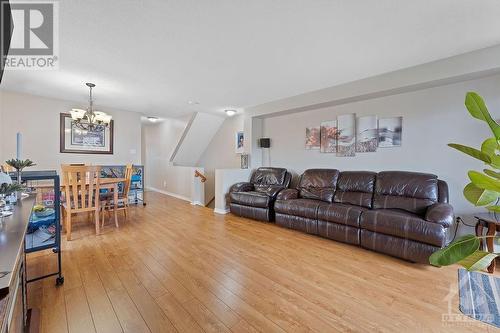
{"type": "Point", "coordinates": [255, 199]}
{"type": "Point", "coordinates": [403, 214]}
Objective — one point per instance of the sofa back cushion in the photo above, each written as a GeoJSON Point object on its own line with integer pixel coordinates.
{"type": "Point", "coordinates": [318, 184]}
{"type": "Point", "coordinates": [355, 188]}
{"type": "Point", "coordinates": [442, 191]}
{"type": "Point", "coordinates": [410, 191]}
{"type": "Point", "coordinates": [268, 176]}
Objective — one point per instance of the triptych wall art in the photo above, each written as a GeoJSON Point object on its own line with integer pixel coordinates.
{"type": "Point", "coordinates": [348, 134]}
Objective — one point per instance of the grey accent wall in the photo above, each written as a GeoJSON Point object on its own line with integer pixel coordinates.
{"type": "Point", "coordinates": [432, 118]}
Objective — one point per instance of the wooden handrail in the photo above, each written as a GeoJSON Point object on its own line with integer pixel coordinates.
{"type": "Point", "coordinates": [202, 176]}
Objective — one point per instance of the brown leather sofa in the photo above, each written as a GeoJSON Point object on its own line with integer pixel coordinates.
{"type": "Point", "coordinates": [403, 214]}
{"type": "Point", "coordinates": [255, 199]}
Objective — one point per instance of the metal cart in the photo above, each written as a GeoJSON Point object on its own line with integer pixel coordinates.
{"type": "Point", "coordinates": [44, 228]}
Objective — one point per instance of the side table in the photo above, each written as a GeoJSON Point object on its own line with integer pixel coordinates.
{"type": "Point", "coordinates": [490, 221]}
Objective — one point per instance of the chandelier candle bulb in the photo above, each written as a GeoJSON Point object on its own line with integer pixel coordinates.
{"type": "Point", "coordinates": [90, 120]}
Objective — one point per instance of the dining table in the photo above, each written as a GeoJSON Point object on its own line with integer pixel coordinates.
{"type": "Point", "coordinates": [109, 184]}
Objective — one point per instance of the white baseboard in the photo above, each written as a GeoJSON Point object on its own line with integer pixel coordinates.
{"type": "Point", "coordinates": [178, 196]}
{"type": "Point", "coordinates": [197, 203]}
{"type": "Point", "coordinates": [221, 211]}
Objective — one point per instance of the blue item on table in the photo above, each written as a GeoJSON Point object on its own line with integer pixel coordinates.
{"type": "Point", "coordinates": [38, 221]}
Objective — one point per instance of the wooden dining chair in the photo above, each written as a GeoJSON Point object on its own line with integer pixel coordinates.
{"type": "Point", "coordinates": [81, 190]}
{"type": "Point", "coordinates": [123, 202]}
{"type": "Point", "coordinates": [7, 168]}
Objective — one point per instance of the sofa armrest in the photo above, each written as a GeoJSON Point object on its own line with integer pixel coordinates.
{"type": "Point", "coordinates": [441, 213]}
{"type": "Point", "coordinates": [241, 187]}
{"type": "Point", "coordinates": [288, 194]}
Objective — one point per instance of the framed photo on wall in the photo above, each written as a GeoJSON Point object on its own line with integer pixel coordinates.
{"type": "Point", "coordinates": [77, 141]}
{"type": "Point", "coordinates": [244, 161]}
{"type": "Point", "coordinates": [239, 143]}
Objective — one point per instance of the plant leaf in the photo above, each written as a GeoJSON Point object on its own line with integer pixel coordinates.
{"type": "Point", "coordinates": [492, 173]}
{"type": "Point", "coordinates": [484, 182]}
{"type": "Point", "coordinates": [457, 250]}
{"type": "Point", "coordinates": [489, 146]}
{"type": "Point", "coordinates": [478, 196]}
{"type": "Point", "coordinates": [477, 108]}
{"type": "Point", "coordinates": [493, 208]}
{"type": "Point", "coordinates": [475, 105]}
{"type": "Point", "coordinates": [471, 152]}
{"type": "Point", "coordinates": [478, 261]}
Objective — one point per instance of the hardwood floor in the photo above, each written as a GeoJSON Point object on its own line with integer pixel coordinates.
{"type": "Point", "coordinates": [176, 267]}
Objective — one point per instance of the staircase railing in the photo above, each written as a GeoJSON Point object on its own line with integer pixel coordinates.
{"type": "Point", "coordinates": [202, 177]}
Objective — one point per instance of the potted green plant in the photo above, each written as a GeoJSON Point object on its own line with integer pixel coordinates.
{"type": "Point", "coordinates": [483, 190]}
{"type": "Point", "coordinates": [19, 165]}
{"type": "Point", "coordinates": [8, 189]}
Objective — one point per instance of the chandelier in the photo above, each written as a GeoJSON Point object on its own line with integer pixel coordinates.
{"type": "Point", "coordinates": [90, 120]}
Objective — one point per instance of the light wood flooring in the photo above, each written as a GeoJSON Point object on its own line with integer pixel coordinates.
{"type": "Point", "coordinates": [176, 267]}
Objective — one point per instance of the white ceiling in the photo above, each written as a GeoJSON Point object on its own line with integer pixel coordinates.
{"type": "Point", "coordinates": [155, 56]}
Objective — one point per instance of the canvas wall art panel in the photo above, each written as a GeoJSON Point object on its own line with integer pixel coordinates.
{"type": "Point", "coordinates": [346, 145]}
{"type": "Point", "coordinates": [329, 136]}
{"type": "Point", "coordinates": [390, 132]}
{"type": "Point", "coordinates": [366, 134]}
{"type": "Point", "coordinates": [312, 138]}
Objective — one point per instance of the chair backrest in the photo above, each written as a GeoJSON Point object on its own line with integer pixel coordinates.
{"type": "Point", "coordinates": [7, 168]}
{"type": "Point", "coordinates": [81, 186]}
{"type": "Point", "coordinates": [128, 179]}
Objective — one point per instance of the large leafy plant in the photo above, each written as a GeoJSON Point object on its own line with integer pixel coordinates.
{"type": "Point", "coordinates": [483, 190]}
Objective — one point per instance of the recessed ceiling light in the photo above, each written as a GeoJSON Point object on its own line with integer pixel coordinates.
{"type": "Point", "coordinates": [153, 119]}
{"type": "Point", "coordinates": [193, 102]}
{"type": "Point", "coordinates": [230, 113]}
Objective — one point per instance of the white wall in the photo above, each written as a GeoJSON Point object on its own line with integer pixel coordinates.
{"type": "Point", "coordinates": [196, 137]}
{"type": "Point", "coordinates": [159, 141]}
{"type": "Point", "coordinates": [220, 153]}
{"type": "Point", "coordinates": [37, 118]}
{"type": "Point", "coordinates": [432, 118]}
{"type": "Point", "coordinates": [224, 179]}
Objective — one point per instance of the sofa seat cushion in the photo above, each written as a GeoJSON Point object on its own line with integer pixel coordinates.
{"type": "Point", "coordinates": [340, 213]}
{"type": "Point", "coordinates": [298, 207]}
{"type": "Point", "coordinates": [252, 198]}
{"type": "Point", "coordinates": [405, 225]}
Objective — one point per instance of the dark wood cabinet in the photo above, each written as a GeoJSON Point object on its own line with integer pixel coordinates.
{"type": "Point", "coordinates": [13, 312]}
